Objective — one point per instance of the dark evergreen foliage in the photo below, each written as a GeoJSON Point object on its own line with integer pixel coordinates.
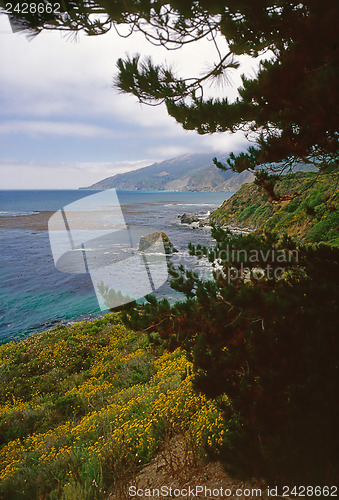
{"type": "Point", "coordinates": [270, 344]}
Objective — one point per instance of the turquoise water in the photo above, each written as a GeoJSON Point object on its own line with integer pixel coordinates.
{"type": "Point", "coordinates": [35, 296]}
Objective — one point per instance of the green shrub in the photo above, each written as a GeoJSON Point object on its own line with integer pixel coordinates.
{"type": "Point", "coordinates": [325, 230]}
{"type": "Point", "coordinates": [246, 213]}
{"type": "Point", "coordinates": [272, 347]}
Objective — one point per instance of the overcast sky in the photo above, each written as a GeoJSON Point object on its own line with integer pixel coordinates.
{"type": "Point", "coordinates": [63, 125]}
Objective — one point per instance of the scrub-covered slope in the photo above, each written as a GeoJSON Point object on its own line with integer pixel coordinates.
{"type": "Point", "coordinates": [308, 209]}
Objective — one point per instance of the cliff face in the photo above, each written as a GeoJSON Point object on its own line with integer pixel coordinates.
{"type": "Point", "coordinates": [310, 216]}
{"type": "Point", "coordinates": [185, 173]}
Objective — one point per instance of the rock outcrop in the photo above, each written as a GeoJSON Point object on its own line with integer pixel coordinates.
{"type": "Point", "coordinates": [153, 240]}
{"type": "Point", "coordinates": [204, 222]}
{"type": "Point", "coordinates": [188, 219]}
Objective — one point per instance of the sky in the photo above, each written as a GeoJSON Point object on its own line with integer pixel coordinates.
{"type": "Point", "coordinates": [63, 125]}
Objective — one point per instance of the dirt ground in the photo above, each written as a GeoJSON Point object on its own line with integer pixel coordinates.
{"type": "Point", "coordinates": [175, 468]}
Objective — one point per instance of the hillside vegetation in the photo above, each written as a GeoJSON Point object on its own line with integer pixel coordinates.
{"type": "Point", "coordinates": [311, 216]}
{"type": "Point", "coordinates": [83, 406]}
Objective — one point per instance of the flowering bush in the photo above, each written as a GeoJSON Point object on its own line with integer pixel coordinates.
{"type": "Point", "coordinates": [80, 404]}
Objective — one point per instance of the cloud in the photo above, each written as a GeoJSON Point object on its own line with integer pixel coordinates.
{"type": "Point", "coordinates": [170, 151]}
{"type": "Point", "coordinates": [52, 75]}
{"type": "Point", "coordinates": [38, 128]}
{"type": "Point", "coordinates": [61, 89]}
{"type": "Point", "coordinates": [210, 143]}
{"type": "Point", "coordinates": [61, 175]}
{"type": "Point", "coordinates": [224, 142]}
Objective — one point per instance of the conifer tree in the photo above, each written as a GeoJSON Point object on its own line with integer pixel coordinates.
{"type": "Point", "coordinates": [263, 333]}
{"type": "Point", "coordinates": [289, 109]}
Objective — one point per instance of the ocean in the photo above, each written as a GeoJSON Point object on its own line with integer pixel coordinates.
{"type": "Point", "coordinates": [35, 296]}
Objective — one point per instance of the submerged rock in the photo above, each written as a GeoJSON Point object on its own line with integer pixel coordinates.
{"type": "Point", "coordinates": [188, 219]}
{"type": "Point", "coordinates": [153, 240]}
{"type": "Point", "coordinates": [204, 222]}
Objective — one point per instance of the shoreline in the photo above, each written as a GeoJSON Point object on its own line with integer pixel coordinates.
{"type": "Point", "coordinates": [30, 224]}
{"type": "Point", "coordinates": [197, 221]}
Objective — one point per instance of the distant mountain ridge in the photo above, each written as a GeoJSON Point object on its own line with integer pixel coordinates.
{"type": "Point", "coordinates": [190, 172]}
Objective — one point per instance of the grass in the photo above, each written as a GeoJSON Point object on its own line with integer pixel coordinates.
{"type": "Point", "coordinates": [84, 405]}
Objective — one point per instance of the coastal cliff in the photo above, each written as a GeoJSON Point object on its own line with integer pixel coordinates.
{"type": "Point", "coordinates": [308, 209]}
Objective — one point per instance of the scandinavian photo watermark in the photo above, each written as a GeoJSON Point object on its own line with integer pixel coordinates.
{"type": "Point", "coordinates": [232, 264]}
{"type": "Point", "coordinates": [124, 262]}
{"type": "Point", "coordinates": [128, 262]}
